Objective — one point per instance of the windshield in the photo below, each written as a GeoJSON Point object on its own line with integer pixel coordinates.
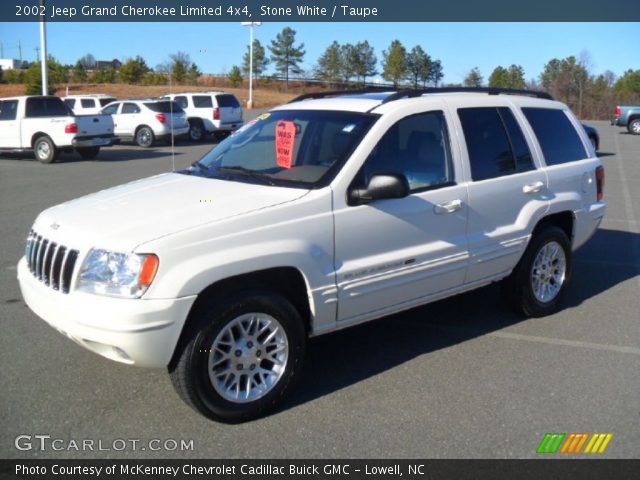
{"type": "Point", "coordinates": [303, 148]}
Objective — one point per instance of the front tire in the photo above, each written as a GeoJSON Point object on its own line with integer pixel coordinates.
{"type": "Point", "coordinates": [88, 153]}
{"type": "Point", "coordinates": [196, 131]}
{"type": "Point", "coordinates": [45, 150]}
{"type": "Point", "coordinates": [144, 137]}
{"type": "Point", "coordinates": [536, 286]}
{"type": "Point", "coordinates": [634, 126]}
{"type": "Point", "coordinates": [240, 359]}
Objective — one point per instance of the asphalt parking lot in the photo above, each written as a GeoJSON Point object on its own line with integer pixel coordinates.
{"type": "Point", "coordinates": [462, 378]}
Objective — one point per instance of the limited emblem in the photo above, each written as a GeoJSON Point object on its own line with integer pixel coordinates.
{"type": "Point", "coordinates": [55, 226]}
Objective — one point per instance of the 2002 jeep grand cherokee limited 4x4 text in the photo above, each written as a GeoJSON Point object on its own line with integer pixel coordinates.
{"type": "Point", "coordinates": [329, 211]}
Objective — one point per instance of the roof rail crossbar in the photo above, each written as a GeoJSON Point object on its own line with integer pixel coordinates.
{"type": "Point", "coordinates": [339, 93]}
{"type": "Point", "coordinates": [410, 93]}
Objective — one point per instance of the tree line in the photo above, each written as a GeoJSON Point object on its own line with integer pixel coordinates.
{"type": "Point", "coordinates": [347, 65]}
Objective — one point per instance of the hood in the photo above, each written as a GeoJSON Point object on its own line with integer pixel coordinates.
{"type": "Point", "coordinates": [126, 216]}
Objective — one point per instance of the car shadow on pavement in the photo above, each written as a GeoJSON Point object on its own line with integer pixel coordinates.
{"type": "Point", "coordinates": [346, 357]}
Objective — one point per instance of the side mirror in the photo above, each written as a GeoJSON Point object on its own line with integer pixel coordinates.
{"type": "Point", "coordinates": [381, 186]}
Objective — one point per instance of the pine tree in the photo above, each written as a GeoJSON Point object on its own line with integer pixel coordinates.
{"type": "Point", "coordinates": [260, 60]}
{"type": "Point", "coordinates": [285, 55]}
{"type": "Point", "coordinates": [394, 64]}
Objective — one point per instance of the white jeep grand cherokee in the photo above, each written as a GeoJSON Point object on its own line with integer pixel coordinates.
{"type": "Point", "coordinates": [324, 213]}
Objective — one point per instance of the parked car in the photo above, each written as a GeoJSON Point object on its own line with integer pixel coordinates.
{"type": "Point", "coordinates": [147, 120]}
{"type": "Point", "coordinates": [216, 113]}
{"type": "Point", "coordinates": [87, 104]}
{"type": "Point", "coordinates": [324, 213]}
{"type": "Point", "coordinates": [628, 116]}
{"type": "Point", "coordinates": [593, 135]}
{"type": "Point", "coordinates": [46, 126]}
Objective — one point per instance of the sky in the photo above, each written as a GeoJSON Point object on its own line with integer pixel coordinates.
{"type": "Point", "coordinates": [216, 47]}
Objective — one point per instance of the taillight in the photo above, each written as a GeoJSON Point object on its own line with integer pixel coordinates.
{"type": "Point", "coordinates": [161, 117]}
{"type": "Point", "coordinates": [216, 113]}
{"type": "Point", "coordinates": [618, 112]}
{"type": "Point", "coordinates": [71, 128]}
{"type": "Point", "coordinates": [600, 182]}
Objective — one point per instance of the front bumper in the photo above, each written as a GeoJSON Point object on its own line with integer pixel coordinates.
{"type": "Point", "coordinates": [133, 331]}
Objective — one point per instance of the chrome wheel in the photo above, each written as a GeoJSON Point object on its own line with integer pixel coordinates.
{"type": "Point", "coordinates": [248, 357]}
{"type": "Point", "coordinates": [144, 137]}
{"type": "Point", "coordinates": [548, 272]}
{"type": "Point", "coordinates": [635, 127]}
{"type": "Point", "coordinates": [43, 150]}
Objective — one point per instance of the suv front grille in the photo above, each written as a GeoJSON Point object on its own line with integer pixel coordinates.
{"type": "Point", "coordinates": [49, 262]}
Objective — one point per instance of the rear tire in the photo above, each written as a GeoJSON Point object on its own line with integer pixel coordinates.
{"type": "Point", "coordinates": [44, 150]}
{"type": "Point", "coordinates": [88, 153]}
{"type": "Point", "coordinates": [634, 126]}
{"type": "Point", "coordinates": [144, 137]}
{"type": "Point", "coordinates": [196, 130]}
{"type": "Point", "coordinates": [536, 286]}
{"type": "Point", "coordinates": [239, 359]}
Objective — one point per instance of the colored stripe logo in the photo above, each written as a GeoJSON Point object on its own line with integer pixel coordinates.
{"type": "Point", "coordinates": [574, 442]}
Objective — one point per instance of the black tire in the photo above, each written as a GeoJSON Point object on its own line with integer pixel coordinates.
{"type": "Point", "coordinates": [45, 150]}
{"type": "Point", "coordinates": [190, 368]}
{"type": "Point", "coordinates": [88, 153]}
{"type": "Point", "coordinates": [518, 287]}
{"type": "Point", "coordinates": [634, 126]}
{"type": "Point", "coordinates": [144, 137]}
{"type": "Point", "coordinates": [197, 132]}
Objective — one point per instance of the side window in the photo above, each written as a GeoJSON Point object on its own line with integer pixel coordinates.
{"type": "Point", "coordinates": [202, 101]}
{"type": "Point", "coordinates": [70, 102]}
{"type": "Point", "coordinates": [417, 147]}
{"type": "Point", "coordinates": [556, 134]}
{"type": "Point", "coordinates": [35, 107]}
{"type": "Point", "coordinates": [111, 109]}
{"type": "Point", "coordinates": [182, 101]}
{"type": "Point", "coordinates": [495, 142]}
{"type": "Point", "coordinates": [88, 103]}
{"type": "Point", "coordinates": [130, 108]}
{"type": "Point", "coordinates": [8, 110]}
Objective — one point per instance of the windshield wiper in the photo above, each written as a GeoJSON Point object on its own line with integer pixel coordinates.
{"type": "Point", "coordinates": [247, 172]}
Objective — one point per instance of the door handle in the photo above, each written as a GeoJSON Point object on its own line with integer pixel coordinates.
{"type": "Point", "coordinates": [533, 187]}
{"type": "Point", "coordinates": [447, 207]}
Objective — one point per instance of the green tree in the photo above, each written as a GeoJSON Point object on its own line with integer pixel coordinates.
{"type": "Point", "coordinates": [79, 74]}
{"type": "Point", "coordinates": [348, 60]}
{"type": "Point", "coordinates": [435, 73]}
{"type": "Point", "coordinates": [133, 70]}
{"type": "Point", "coordinates": [286, 56]}
{"type": "Point", "coordinates": [260, 60]}
{"type": "Point", "coordinates": [193, 74]}
{"type": "Point", "coordinates": [513, 77]}
{"type": "Point", "coordinates": [1, 75]}
{"type": "Point", "coordinates": [182, 68]}
{"type": "Point", "coordinates": [329, 66]}
{"type": "Point", "coordinates": [235, 76]}
{"type": "Point", "coordinates": [418, 66]}
{"type": "Point", "coordinates": [473, 78]}
{"type": "Point", "coordinates": [516, 76]}
{"type": "Point", "coordinates": [366, 61]}
{"type": "Point", "coordinates": [628, 86]}
{"type": "Point", "coordinates": [33, 81]}
{"type": "Point", "coordinates": [394, 63]}
{"type": "Point", "coordinates": [14, 76]}
{"type": "Point", "coordinates": [104, 75]}
{"type": "Point", "coordinates": [566, 79]}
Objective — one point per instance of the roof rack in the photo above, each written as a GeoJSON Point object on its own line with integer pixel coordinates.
{"type": "Point", "coordinates": [411, 93]}
{"type": "Point", "coordinates": [338, 93]}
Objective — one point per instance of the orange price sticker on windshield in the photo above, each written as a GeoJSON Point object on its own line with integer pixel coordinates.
{"type": "Point", "coordinates": [285, 138]}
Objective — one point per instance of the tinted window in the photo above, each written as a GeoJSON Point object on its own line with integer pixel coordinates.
{"type": "Point", "coordinates": [164, 107]}
{"type": "Point", "coordinates": [88, 103]}
{"type": "Point", "coordinates": [519, 146]}
{"type": "Point", "coordinates": [202, 101]}
{"type": "Point", "coordinates": [105, 101]}
{"type": "Point", "coordinates": [111, 109]}
{"type": "Point", "coordinates": [489, 146]}
{"type": "Point", "coordinates": [182, 101]}
{"type": "Point", "coordinates": [417, 147]}
{"type": "Point", "coordinates": [556, 134]}
{"type": "Point", "coordinates": [8, 110]}
{"type": "Point", "coordinates": [70, 102]}
{"type": "Point", "coordinates": [227, 101]}
{"type": "Point", "coordinates": [46, 107]}
{"type": "Point", "coordinates": [130, 108]}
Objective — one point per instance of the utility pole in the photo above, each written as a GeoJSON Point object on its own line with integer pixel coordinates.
{"type": "Point", "coordinates": [37, 49]}
{"type": "Point", "coordinates": [1, 50]}
{"type": "Point", "coordinates": [43, 57]}
{"type": "Point", "coordinates": [20, 51]}
{"type": "Point", "coordinates": [251, 25]}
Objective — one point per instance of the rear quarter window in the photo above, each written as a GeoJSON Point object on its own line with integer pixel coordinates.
{"type": "Point", "coordinates": [88, 103]}
{"type": "Point", "coordinates": [558, 138]}
{"type": "Point", "coordinates": [202, 101]}
{"type": "Point", "coordinates": [227, 101]}
{"type": "Point", "coordinates": [164, 107]}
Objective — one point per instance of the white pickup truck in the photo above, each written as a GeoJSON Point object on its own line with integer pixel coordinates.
{"type": "Point", "coordinates": [47, 126]}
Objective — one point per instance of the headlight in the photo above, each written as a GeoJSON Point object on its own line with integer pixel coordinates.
{"type": "Point", "coordinates": [120, 274]}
